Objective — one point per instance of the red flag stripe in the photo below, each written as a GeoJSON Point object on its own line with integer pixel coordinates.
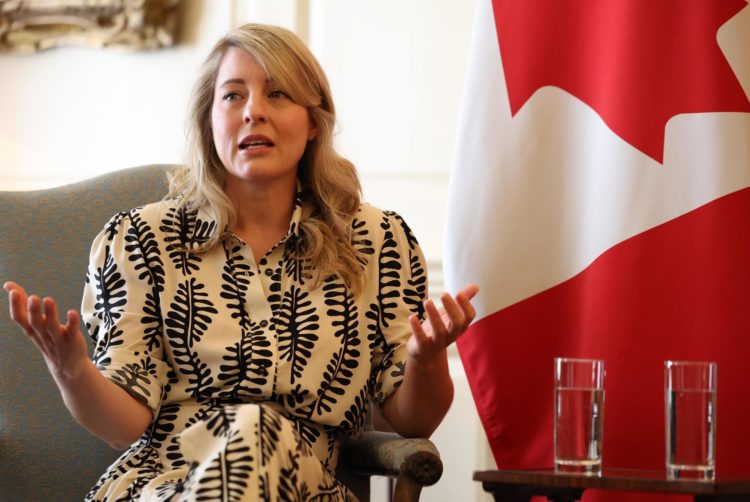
{"type": "Point", "coordinates": [669, 293]}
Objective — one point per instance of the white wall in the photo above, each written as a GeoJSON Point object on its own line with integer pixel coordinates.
{"type": "Point", "coordinates": [70, 113]}
{"type": "Point", "coordinates": [396, 69]}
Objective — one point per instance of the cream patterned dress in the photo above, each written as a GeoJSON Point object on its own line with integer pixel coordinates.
{"type": "Point", "coordinates": [254, 376]}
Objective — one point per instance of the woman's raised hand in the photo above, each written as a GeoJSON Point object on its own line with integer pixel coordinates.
{"type": "Point", "coordinates": [441, 327]}
{"type": "Point", "coordinates": [62, 345]}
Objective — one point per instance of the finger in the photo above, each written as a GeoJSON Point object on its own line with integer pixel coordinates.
{"type": "Point", "coordinates": [433, 315]}
{"type": "Point", "coordinates": [455, 313]}
{"type": "Point", "coordinates": [72, 328]}
{"type": "Point", "coordinates": [19, 311]}
{"type": "Point", "coordinates": [418, 331]}
{"type": "Point", "coordinates": [51, 321]}
{"type": "Point", "coordinates": [36, 330]}
{"type": "Point", "coordinates": [469, 291]}
{"type": "Point", "coordinates": [10, 285]}
{"type": "Point", "coordinates": [468, 309]}
{"type": "Point", "coordinates": [36, 317]}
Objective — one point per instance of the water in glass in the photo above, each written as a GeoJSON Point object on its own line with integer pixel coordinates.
{"type": "Point", "coordinates": [579, 418]}
{"type": "Point", "coordinates": [691, 432]}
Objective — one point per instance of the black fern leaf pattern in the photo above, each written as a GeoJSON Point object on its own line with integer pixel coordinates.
{"type": "Point", "coordinates": [295, 268]}
{"type": "Point", "coordinates": [290, 488]}
{"type": "Point", "coordinates": [164, 425]}
{"type": "Point", "coordinates": [340, 368]}
{"type": "Point", "coordinates": [114, 472]}
{"type": "Point", "coordinates": [362, 242]}
{"type": "Point", "coordinates": [248, 365]}
{"type": "Point", "coordinates": [187, 321]}
{"type": "Point", "coordinates": [264, 486]}
{"type": "Point", "coordinates": [152, 320]}
{"type": "Point", "coordinates": [110, 292]}
{"type": "Point", "coordinates": [226, 478]}
{"type": "Point", "coordinates": [199, 415]}
{"type": "Point", "coordinates": [147, 466]}
{"type": "Point", "coordinates": [296, 325]}
{"type": "Point", "coordinates": [189, 315]}
{"type": "Point", "coordinates": [219, 421]}
{"type": "Point", "coordinates": [144, 252]}
{"type": "Point", "coordinates": [93, 334]}
{"type": "Point", "coordinates": [356, 416]}
{"type": "Point", "coordinates": [415, 291]}
{"type": "Point", "coordinates": [274, 298]}
{"type": "Point", "coordinates": [110, 339]}
{"type": "Point", "coordinates": [174, 453]}
{"type": "Point", "coordinates": [374, 336]}
{"type": "Point", "coordinates": [330, 493]}
{"type": "Point", "coordinates": [184, 231]}
{"type": "Point", "coordinates": [270, 430]}
{"type": "Point", "coordinates": [385, 364]}
{"type": "Point", "coordinates": [329, 490]}
{"type": "Point", "coordinates": [137, 376]}
{"type": "Point", "coordinates": [307, 432]}
{"type": "Point", "coordinates": [389, 278]}
{"type": "Point", "coordinates": [410, 237]}
{"type": "Point", "coordinates": [332, 439]}
{"type": "Point", "coordinates": [175, 490]}
{"type": "Point", "coordinates": [295, 399]}
{"type": "Point", "coordinates": [235, 282]}
{"type": "Point", "coordinates": [113, 225]}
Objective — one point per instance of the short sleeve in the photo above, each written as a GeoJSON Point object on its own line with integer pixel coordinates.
{"type": "Point", "coordinates": [121, 308]}
{"type": "Point", "coordinates": [402, 289]}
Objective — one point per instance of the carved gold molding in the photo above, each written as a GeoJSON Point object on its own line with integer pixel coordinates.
{"type": "Point", "coordinates": [33, 25]}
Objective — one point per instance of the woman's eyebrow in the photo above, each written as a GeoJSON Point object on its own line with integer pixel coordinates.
{"type": "Point", "coordinates": [240, 81]}
{"type": "Point", "coordinates": [232, 81]}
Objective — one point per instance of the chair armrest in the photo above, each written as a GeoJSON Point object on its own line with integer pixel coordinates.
{"type": "Point", "coordinates": [388, 454]}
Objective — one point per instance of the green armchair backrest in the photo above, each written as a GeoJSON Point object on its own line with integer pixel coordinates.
{"type": "Point", "coordinates": [45, 237]}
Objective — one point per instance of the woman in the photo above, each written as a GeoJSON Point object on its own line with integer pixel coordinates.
{"type": "Point", "coordinates": [243, 324]}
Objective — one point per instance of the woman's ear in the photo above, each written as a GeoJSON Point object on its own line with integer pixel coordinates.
{"type": "Point", "coordinates": [313, 132]}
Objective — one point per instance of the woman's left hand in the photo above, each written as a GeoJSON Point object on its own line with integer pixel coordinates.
{"type": "Point", "coordinates": [441, 327]}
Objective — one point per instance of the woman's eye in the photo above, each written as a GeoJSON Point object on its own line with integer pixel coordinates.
{"type": "Point", "coordinates": [231, 96]}
{"type": "Point", "coordinates": [277, 94]}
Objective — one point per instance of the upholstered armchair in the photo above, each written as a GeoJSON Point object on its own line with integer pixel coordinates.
{"type": "Point", "coordinates": [44, 455]}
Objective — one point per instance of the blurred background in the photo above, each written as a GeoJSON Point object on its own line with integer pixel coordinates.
{"type": "Point", "coordinates": [396, 69]}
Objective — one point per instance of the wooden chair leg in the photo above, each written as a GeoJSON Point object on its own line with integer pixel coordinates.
{"type": "Point", "coordinates": [407, 489]}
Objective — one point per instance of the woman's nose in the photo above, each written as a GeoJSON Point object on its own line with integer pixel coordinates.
{"type": "Point", "coordinates": [255, 110]}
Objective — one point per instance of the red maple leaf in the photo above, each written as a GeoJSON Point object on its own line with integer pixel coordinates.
{"type": "Point", "coordinates": [637, 63]}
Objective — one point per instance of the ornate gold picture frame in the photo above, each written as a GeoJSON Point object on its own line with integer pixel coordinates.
{"type": "Point", "coordinates": [33, 25]}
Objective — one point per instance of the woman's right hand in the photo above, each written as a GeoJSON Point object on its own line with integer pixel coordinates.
{"type": "Point", "coordinates": [104, 408]}
{"type": "Point", "coordinates": [62, 345]}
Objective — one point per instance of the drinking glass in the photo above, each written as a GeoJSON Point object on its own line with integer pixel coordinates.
{"type": "Point", "coordinates": [690, 415]}
{"type": "Point", "coordinates": [579, 414]}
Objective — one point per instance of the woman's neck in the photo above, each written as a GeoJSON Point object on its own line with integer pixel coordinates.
{"type": "Point", "coordinates": [263, 213]}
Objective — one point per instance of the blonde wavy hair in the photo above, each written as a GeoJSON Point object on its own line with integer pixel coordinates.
{"type": "Point", "coordinates": [330, 185]}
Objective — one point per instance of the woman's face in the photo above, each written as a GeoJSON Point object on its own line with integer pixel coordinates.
{"type": "Point", "coordinates": [259, 132]}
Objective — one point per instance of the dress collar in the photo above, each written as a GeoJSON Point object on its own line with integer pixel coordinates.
{"type": "Point", "coordinates": [294, 222]}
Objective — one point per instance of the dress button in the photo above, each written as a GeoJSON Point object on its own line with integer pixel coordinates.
{"type": "Point", "coordinates": [263, 323]}
{"type": "Point", "coordinates": [269, 272]}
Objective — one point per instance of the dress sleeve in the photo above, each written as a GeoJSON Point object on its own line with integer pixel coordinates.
{"type": "Point", "coordinates": [402, 289]}
{"type": "Point", "coordinates": [121, 308]}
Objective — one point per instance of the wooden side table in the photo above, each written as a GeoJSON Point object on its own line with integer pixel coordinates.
{"type": "Point", "coordinates": [521, 485]}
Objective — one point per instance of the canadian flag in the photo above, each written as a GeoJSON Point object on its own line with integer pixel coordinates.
{"type": "Point", "coordinates": [600, 198]}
